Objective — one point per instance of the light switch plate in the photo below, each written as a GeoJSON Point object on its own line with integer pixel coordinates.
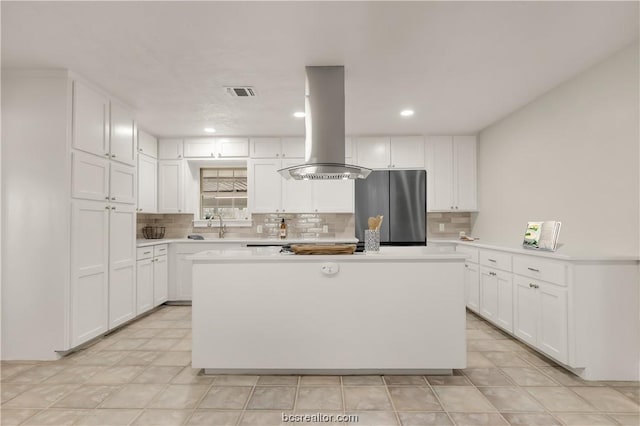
{"type": "Point", "coordinates": [441, 227]}
{"type": "Point", "coordinates": [259, 229]}
{"type": "Point", "coordinates": [325, 229]}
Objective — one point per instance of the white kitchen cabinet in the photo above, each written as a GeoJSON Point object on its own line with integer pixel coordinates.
{"type": "Point", "coordinates": [333, 196]}
{"type": "Point", "coordinates": [122, 141]}
{"type": "Point", "coordinates": [541, 316]}
{"type": "Point", "coordinates": [144, 285]}
{"type": "Point", "coordinates": [89, 292]}
{"type": "Point", "coordinates": [147, 144]}
{"type": "Point", "coordinates": [297, 195]}
{"type": "Point", "coordinates": [496, 289]}
{"type": "Point", "coordinates": [472, 286]}
{"type": "Point", "coordinates": [89, 176]}
{"type": "Point", "coordinates": [170, 149]}
{"type": "Point", "coordinates": [170, 186]}
{"type": "Point", "coordinates": [160, 280]}
{"type": "Point", "coordinates": [122, 264]}
{"type": "Point", "coordinates": [290, 147]}
{"type": "Point", "coordinates": [265, 185]}
{"type": "Point", "coordinates": [122, 184]}
{"type": "Point", "coordinates": [90, 120]}
{"type": "Point", "coordinates": [147, 184]}
{"type": "Point", "coordinates": [451, 173]}
{"type": "Point", "coordinates": [216, 147]}
{"type": "Point", "coordinates": [404, 152]}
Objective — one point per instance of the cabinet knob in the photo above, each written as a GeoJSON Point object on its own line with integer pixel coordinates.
{"type": "Point", "coordinates": [113, 198]}
{"type": "Point", "coordinates": [283, 154]}
{"type": "Point", "coordinates": [179, 155]}
{"type": "Point", "coordinates": [140, 149]}
{"type": "Point", "coordinates": [113, 156]}
{"type": "Point", "coordinates": [113, 208]}
{"type": "Point", "coordinates": [451, 207]}
{"type": "Point", "coordinates": [139, 210]}
{"type": "Point", "coordinates": [106, 207]}
{"type": "Point", "coordinates": [277, 155]}
{"type": "Point", "coordinates": [179, 210]}
{"type": "Point", "coordinates": [466, 266]}
{"type": "Point", "coordinates": [106, 198]}
{"type": "Point", "coordinates": [456, 207]}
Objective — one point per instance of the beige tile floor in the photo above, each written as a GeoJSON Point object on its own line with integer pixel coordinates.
{"type": "Point", "coordinates": [141, 375]}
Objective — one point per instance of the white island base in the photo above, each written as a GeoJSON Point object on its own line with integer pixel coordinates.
{"type": "Point", "coordinates": [398, 312]}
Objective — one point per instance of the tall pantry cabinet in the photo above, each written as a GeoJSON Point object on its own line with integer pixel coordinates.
{"type": "Point", "coordinates": [69, 194]}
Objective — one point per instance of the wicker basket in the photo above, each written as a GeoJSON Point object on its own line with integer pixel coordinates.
{"type": "Point", "coordinates": [153, 232]}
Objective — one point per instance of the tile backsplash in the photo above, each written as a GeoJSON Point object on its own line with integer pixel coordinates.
{"type": "Point", "coordinates": [453, 224]}
{"type": "Point", "coordinates": [303, 225]}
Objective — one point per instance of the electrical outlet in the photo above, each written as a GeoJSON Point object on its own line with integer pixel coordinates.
{"type": "Point", "coordinates": [441, 227]}
{"type": "Point", "coordinates": [325, 229]}
{"type": "Point", "coordinates": [259, 229]}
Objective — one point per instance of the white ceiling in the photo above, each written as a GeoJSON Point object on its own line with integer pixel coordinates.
{"type": "Point", "coordinates": [459, 65]}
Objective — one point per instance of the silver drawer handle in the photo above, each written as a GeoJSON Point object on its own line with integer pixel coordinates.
{"type": "Point", "coordinates": [532, 285]}
{"type": "Point", "coordinates": [146, 252]}
{"type": "Point", "coordinates": [493, 274]}
{"type": "Point", "coordinates": [492, 260]}
{"type": "Point", "coordinates": [533, 269]}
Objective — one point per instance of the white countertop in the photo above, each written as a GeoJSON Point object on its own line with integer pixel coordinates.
{"type": "Point", "coordinates": [260, 241]}
{"type": "Point", "coordinates": [563, 253]}
{"type": "Point", "coordinates": [250, 254]}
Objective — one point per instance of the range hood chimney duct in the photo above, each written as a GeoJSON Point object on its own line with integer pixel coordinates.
{"type": "Point", "coordinates": [324, 129]}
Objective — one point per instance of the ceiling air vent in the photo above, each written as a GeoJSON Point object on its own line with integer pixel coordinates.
{"type": "Point", "coordinates": [241, 92]}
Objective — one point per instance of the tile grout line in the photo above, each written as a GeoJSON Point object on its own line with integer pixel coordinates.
{"type": "Point", "coordinates": [435, 394]}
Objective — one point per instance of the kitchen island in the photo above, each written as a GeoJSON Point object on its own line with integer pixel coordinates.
{"type": "Point", "coordinates": [256, 310]}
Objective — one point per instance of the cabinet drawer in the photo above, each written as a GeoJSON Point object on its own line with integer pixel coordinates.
{"type": "Point", "coordinates": [144, 253]}
{"type": "Point", "coordinates": [160, 250]}
{"type": "Point", "coordinates": [495, 259]}
{"type": "Point", "coordinates": [471, 252]}
{"type": "Point", "coordinates": [541, 269]}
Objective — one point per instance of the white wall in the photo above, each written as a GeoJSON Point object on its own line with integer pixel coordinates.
{"type": "Point", "coordinates": [570, 155]}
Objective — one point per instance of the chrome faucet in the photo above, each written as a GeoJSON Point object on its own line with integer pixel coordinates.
{"type": "Point", "coordinates": [223, 228]}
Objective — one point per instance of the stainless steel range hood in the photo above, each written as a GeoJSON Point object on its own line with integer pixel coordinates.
{"type": "Point", "coordinates": [324, 129]}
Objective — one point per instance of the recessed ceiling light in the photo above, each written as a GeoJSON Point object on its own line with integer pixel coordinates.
{"type": "Point", "coordinates": [299, 114]}
{"type": "Point", "coordinates": [209, 130]}
{"type": "Point", "coordinates": [406, 112]}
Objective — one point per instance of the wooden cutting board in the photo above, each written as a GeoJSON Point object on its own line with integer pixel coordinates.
{"type": "Point", "coordinates": [323, 249]}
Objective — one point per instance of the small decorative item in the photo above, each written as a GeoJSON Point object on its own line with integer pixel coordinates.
{"type": "Point", "coordinates": [542, 235]}
{"type": "Point", "coordinates": [371, 241]}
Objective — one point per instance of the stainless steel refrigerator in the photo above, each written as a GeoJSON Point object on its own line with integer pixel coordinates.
{"type": "Point", "coordinates": [401, 197]}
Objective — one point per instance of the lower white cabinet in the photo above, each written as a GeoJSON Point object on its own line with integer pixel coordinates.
{"type": "Point", "coordinates": [541, 316]}
{"type": "Point", "coordinates": [472, 286]}
{"type": "Point", "coordinates": [152, 277]}
{"type": "Point", "coordinates": [497, 297]}
{"type": "Point", "coordinates": [89, 270]}
{"type": "Point", "coordinates": [122, 264]}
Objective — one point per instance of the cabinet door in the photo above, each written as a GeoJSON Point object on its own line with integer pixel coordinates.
{"type": "Point", "coordinates": [407, 152]}
{"type": "Point", "coordinates": [333, 196]}
{"type": "Point", "coordinates": [147, 184]}
{"type": "Point", "coordinates": [488, 294]}
{"type": "Point", "coordinates": [183, 277]}
{"type": "Point", "coordinates": [552, 337]}
{"type": "Point", "coordinates": [122, 264]}
{"type": "Point", "coordinates": [201, 147]}
{"type": "Point", "coordinates": [144, 285]}
{"type": "Point", "coordinates": [147, 144]}
{"type": "Point", "coordinates": [122, 184]}
{"type": "Point", "coordinates": [232, 147]}
{"type": "Point", "coordinates": [525, 311]}
{"type": "Point", "coordinates": [373, 152]}
{"type": "Point", "coordinates": [160, 280]}
{"type": "Point", "coordinates": [464, 172]}
{"type": "Point", "coordinates": [441, 173]}
{"type": "Point", "coordinates": [265, 148]}
{"type": "Point", "coordinates": [293, 148]}
{"type": "Point", "coordinates": [170, 181]}
{"type": "Point", "coordinates": [89, 177]}
{"type": "Point", "coordinates": [265, 186]}
{"type": "Point", "coordinates": [170, 149]}
{"type": "Point", "coordinates": [472, 286]}
{"type": "Point", "coordinates": [297, 195]}
{"type": "Point", "coordinates": [90, 120]}
{"type": "Point", "coordinates": [89, 270]}
{"type": "Point", "coordinates": [504, 314]}
{"type": "Point", "coordinates": [122, 135]}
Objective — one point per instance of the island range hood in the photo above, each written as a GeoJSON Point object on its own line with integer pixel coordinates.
{"type": "Point", "coordinates": [324, 129]}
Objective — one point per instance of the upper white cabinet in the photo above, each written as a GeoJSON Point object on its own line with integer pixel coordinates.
{"type": "Point", "coordinates": [170, 186]}
{"type": "Point", "coordinates": [170, 149]}
{"type": "Point", "coordinates": [216, 147]}
{"type": "Point", "coordinates": [147, 144]}
{"type": "Point", "coordinates": [269, 192]}
{"type": "Point", "coordinates": [451, 173]}
{"type": "Point", "coordinates": [89, 176]}
{"type": "Point", "coordinates": [277, 148]}
{"type": "Point", "coordinates": [123, 134]}
{"type": "Point", "coordinates": [90, 120]}
{"type": "Point", "coordinates": [147, 184]}
{"type": "Point", "coordinates": [405, 152]}
{"type": "Point", "coordinates": [122, 184]}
